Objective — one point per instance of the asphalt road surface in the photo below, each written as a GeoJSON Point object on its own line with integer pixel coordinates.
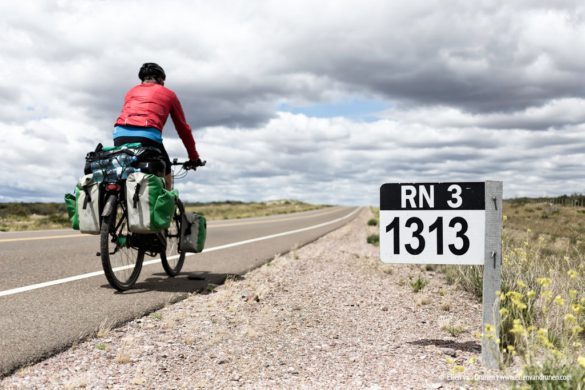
{"type": "Point", "coordinates": [53, 292]}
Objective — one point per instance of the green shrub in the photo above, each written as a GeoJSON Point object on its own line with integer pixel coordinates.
{"type": "Point", "coordinates": [418, 284]}
{"type": "Point", "coordinates": [374, 239]}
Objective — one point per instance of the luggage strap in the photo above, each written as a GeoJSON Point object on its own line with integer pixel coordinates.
{"type": "Point", "coordinates": [87, 197]}
{"type": "Point", "coordinates": [136, 196]}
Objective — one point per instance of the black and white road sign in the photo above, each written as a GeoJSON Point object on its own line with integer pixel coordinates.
{"type": "Point", "coordinates": [432, 223]}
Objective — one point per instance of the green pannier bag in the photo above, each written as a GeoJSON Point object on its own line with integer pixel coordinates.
{"type": "Point", "coordinates": [83, 207]}
{"type": "Point", "coordinates": [71, 204]}
{"type": "Point", "coordinates": [150, 206]}
{"type": "Point", "coordinates": [193, 233]}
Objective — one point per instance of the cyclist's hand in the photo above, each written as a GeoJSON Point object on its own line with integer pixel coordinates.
{"type": "Point", "coordinates": [193, 164]}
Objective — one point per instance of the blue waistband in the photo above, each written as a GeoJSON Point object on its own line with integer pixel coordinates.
{"type": "Point", "coordinates": [132, 131]}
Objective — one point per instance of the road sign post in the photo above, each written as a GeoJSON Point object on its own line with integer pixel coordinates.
{"type": "Point", "coordinates": [492, 273]}
{"type": "Point", "coordinates": [448, 223]}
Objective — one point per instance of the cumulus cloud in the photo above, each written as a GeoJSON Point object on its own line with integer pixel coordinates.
{"type": "Point", "coordinates": [332, 161]}
{"type": "Point", "coordinates": [472, 90]}
{"type": "Point", "coordinates": [555, 113]}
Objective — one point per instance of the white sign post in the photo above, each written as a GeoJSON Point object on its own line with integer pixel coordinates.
{"type": "Point", "coordinates": [448, 223]}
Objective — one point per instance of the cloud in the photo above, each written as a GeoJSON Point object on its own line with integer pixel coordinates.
{"type": "Point", "coordinates": [375, 91]}
{"type": "Point", "coordinates": [556, 113]}
{"type": "Point", "coordinates": [329, 157]}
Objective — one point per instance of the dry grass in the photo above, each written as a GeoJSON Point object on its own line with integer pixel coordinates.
{"type": "Point", "coordinates": [542, 298]}
{"type": "Point", "coordinates": [546, 219]}
{"type": "Point", "coordinates": [42, 216]}
{"type": "Point", "coordinates": [104, 329]}
{"type": "Point", "coordinates": [235, 210]}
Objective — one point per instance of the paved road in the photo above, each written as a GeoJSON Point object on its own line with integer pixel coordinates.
{"type": "Point", "coordinates": [53, 293]}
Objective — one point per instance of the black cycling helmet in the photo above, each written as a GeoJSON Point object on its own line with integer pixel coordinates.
{"type": "Point", "coordinates": [151, 69]}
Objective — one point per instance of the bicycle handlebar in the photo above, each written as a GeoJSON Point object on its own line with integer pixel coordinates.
{"type": "Point", "coordinates": [187, 165]}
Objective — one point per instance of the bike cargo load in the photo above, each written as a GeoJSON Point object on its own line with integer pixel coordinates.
{"type": "Point", "coordinates": [83, 207]}
{"type": "Point", "coordinates": [193, 233]}
{"type": "Point", "coordinates": [150, 206]}
{"type": "Point", "coordinates": [71, 204]}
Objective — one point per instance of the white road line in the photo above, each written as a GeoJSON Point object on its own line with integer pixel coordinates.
{"type": "Point", "coordinates": [31, 287]}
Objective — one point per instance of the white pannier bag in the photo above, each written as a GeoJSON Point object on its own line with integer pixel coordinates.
{"type": "Point", "coordinates": [150, 206]}
{"type": "Point", "coordinates": [88, 208]}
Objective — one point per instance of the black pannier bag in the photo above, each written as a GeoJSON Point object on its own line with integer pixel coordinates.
{"type": "Point", "coordinates": [193, 233]}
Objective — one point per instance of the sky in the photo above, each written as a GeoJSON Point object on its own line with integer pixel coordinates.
{"type": "Point", "coordinates": [321, 101]}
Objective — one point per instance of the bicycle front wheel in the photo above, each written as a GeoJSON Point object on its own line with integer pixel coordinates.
{"type": "Point", "coordinates": [121, 262]}
{"type": "Point", "coordinates": [173, 259]}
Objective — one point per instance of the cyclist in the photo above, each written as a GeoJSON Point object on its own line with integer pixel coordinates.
{"type": "Point", "coordinates": [145, 111]}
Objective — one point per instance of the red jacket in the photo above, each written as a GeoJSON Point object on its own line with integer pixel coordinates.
{"type": "Point", "coordinates": [149, 105]}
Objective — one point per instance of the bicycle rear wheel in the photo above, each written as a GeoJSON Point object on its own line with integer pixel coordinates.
{"type": "Point", "coordinates": [121, 262]}
{"type": "Point", "coordinates": [172, 259]}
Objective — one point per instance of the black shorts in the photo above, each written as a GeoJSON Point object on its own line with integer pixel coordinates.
{"type": "Point", "coordinates": [119, 141]}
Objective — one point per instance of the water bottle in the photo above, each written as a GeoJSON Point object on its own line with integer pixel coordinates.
{"type": "Point", "coordinates": [112, 175]}
{"type": "Point", "coordinates": [98, 176]}
{"type": "Point", "coordinates": [128, 171]}
{"type": "Point", "coordinates": [120, 160]}
{"type": "Point", "coordinates": [97, 165]}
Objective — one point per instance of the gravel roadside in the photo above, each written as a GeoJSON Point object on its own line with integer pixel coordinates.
{"type": "Point", "coordinates": [327, 315]}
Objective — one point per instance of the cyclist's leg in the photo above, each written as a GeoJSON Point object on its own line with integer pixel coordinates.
{"type": "Point", "coordinates": [168, 175]}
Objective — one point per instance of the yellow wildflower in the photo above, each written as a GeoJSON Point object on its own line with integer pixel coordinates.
{"type": "Point", "coordinates": [531, 294]}
{"type": "Point", "coordinates": [521, 283]}
{"type": "Point", "coordinates": [510, 348]}
{"type": "Point", "coordinates": [558, 354]}
{"type": "Point", "coordinates": [582, 300]}
{"type": "Point", "coordinates": [577, 308]}
{"type": "Point", "coordinates": [503, 311]}
{"type": "Point", "coordinates": [577, 344]}
{"type": "Point", "coordinates": [505, 217]}
{"type": "Point", "coordinates": [516, 299]}
{"type": "Point", "coordinates": [528, 230]}
{"type": "Point", "coordinates": [519, 304]}
{"type": "Point", "coordinates": [489, 328]}
{"type": "Point", "coordinates": [577, 329]}
{"type": "Point", "coordinates": [517, 327]}
{"type": "Point", "coordinates": [544, 282]}
{"type": "Point", "coordinates": [543, 338]}
{"type": "Point", "coordinates": [572, 274]}
{"type": "Point", "coordinates": [547, 295]}
{"type": "Point", "coordinates": [559, 300]}
{"type": "Point", "coordinates": [450, 360]}
{"type": "Point", "coordinates": [570, 318]}
{"type": "Point", "coordinates": [458, 369]}
{"type": "Point", "coordinates": [573, 293]}
{"type": "Point", "coordinates": [581, 361]}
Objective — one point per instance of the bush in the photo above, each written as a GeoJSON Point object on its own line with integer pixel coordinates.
{"type": "Point", "coordinates": [374, 239]}
{"type": "Point", "coordinates": [418, 284]}
{"type": "Point", "coordinates": [542, 303]}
